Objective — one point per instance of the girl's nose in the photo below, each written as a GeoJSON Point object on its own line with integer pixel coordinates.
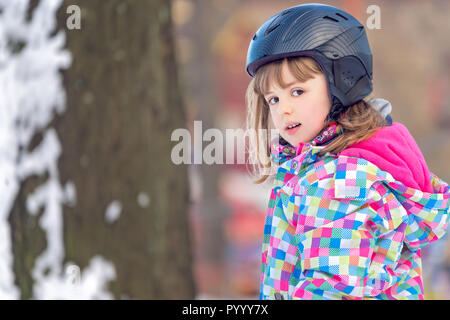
{"type": "Point", "coordinates": [286, 107]}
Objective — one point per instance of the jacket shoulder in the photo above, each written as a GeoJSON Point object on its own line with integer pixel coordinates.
{"type": "Point", "coordinates": [355, 176]}
{"type": "Point", "coordinates": [341, 177]}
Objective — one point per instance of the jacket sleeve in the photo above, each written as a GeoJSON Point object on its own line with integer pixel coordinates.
{"type": "Point", "coordinates": [280, 260]}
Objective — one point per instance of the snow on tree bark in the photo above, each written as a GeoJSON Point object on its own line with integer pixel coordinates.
{"type": "Point", "coordinates": [66, 155]}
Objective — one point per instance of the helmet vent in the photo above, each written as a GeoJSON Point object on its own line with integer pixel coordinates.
{"type": "Point", "coordinates": [342, 16]}
{"type": "Point", "coordinates": [330, 18]}
{"type": "Point", "coordinates": [271, 28]}
{"type": "Point", "coordinates": [276, 22]}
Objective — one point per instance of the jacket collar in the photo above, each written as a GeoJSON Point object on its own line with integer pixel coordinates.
{"type": "Point", "coordinates": [282, 151]}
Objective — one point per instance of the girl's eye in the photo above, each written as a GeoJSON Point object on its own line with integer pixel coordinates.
{"type": "Point", "coordinates": [273, 100]}
{"type": "Point", "coordinates": [297, 92]}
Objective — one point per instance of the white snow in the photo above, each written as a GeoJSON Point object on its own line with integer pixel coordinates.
{"type": "Point", "coordinates": [113, 211]}
{"type": "Point", "coordinates": [31, 92]}
{"type": "Point", "coordinates": [77, 285]}
{"type": "Point", "coordinates": [70, 194]}
{"type": "Point", "coordinates": [143, 199]}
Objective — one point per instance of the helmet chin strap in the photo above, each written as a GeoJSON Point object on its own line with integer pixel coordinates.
{"type": "Point", "coordinates": [337, 108]}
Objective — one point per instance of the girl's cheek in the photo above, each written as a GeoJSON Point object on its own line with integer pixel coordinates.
{"type": "Point", "coordinates": [274, 117]}
{"type": "Point", "coordinates": [275, 120]}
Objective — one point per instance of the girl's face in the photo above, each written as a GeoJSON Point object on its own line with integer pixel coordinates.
{"type": "Point", "coordinates": [304, 103]}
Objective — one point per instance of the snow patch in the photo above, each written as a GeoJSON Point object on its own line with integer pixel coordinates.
{"type": "Point", "coordinates": [31, 93]}
{"type": "Point", "coordinates": [113, 211]}
{"type": "Point", "coordinates": [143, 199]}
{"type": "Point", "coordinates": [76, 285]}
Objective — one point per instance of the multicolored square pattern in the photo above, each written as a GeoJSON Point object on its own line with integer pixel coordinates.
{"type": "Point", "coordinates": [340, 228]}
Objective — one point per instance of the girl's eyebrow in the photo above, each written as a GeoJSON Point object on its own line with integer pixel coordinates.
{"type": "Point", "coordinates": [287, 85]}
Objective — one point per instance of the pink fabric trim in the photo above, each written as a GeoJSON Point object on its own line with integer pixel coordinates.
{"type": "Point", "coordinates": [394, 150]}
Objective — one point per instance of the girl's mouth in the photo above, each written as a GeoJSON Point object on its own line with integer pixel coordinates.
{"type": "Point", "coordinates": [292, 129]}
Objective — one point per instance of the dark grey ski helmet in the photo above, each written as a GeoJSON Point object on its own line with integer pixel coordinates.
{"type": "Point", "coordinates": [332, 37]}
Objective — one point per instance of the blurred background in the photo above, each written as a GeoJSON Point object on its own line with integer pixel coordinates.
{"type": "Point", "coordinates": [92, 207]}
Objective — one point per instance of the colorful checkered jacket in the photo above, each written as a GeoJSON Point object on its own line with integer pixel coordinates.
{"type": "Point", "coordinates": [339, 227]}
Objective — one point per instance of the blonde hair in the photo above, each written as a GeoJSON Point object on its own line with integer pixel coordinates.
{"type": "Point", "coordinates": [359, 122]}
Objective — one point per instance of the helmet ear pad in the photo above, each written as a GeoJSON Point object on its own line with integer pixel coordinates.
{"type": "Point", "coordinates": [351, 79]}
{"type": "Point", "coordinates": [349, 83]}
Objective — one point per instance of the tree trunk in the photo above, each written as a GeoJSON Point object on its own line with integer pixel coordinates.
{"type": "Point", "coordinates": [123, 102]}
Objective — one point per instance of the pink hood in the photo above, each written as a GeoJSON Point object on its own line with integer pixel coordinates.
{"type": "Point", "coordinates": [394, 150]}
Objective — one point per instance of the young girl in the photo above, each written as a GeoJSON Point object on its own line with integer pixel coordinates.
{"type": "Point", "coordinates": [353, 201]}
